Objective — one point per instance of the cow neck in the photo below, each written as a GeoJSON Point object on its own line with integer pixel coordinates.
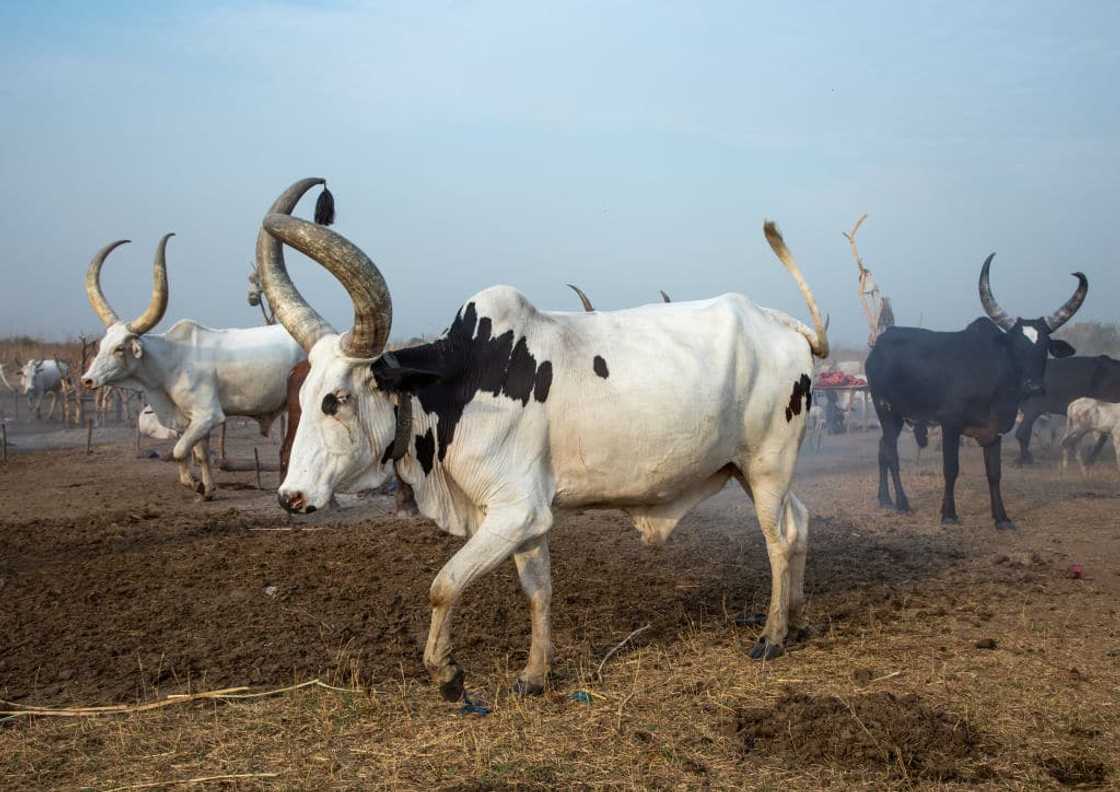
{"type": "Point", "coordinates": [437, 495]}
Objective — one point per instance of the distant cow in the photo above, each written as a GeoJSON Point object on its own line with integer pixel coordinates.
{"type": "Point", "coordinates": [40, 377]}
{"type": "Point", "coordinates": [1073, 378]}
{"type": "Point", "coordinates": [1090, 415]}
{"type": "Point", "coordinates": [970, 382]}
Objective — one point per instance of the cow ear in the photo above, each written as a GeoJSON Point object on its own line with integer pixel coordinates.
{"type": "Point", "coordinates": [398, 379]}
{"type": "Point", "coordinates": [1060, 349]}
{"type": "Point", "coordinates": [137, 348]}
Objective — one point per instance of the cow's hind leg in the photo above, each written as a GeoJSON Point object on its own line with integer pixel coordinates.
{"type": "Point", "coordinates": [951, 461]}
{"type": "Point", "coordinates": [888, 460]}
{"type": "Point", "coordinates": [534, 572]}
{"type": "Point", "coordinates": [785, 526]}
{"type": "Point", "coordinates": [993, 467]}
{"type": "Point", "coordinates": [504, 531]}
{"type": "Point", "coordinates": [1096, 452]}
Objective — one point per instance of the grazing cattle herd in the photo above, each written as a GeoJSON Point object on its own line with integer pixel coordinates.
{"type": "Point", "coordinates": [514, 411]}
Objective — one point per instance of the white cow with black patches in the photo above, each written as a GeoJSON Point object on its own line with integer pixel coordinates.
{"type": "Point", "coordinates": [515, 410]}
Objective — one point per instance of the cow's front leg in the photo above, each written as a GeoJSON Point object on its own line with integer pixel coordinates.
{"type": "Point", "coordinates": [534, 571]}
{"type": "Point", "coordinates": [197, 430]}
{"type": "Point", "coordinates": [201, 452]}
{"type": "Point", "coordinates": [993, 467]}
{"type": "Point", "coordinates": [501, 534]}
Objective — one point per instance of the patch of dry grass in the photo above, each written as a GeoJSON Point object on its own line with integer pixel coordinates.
{"type": "Point", "coordinates": [663, 716]}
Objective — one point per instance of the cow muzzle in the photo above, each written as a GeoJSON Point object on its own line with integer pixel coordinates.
{"type": "Point", "coordinates": [88, 383]}
{"type": "Point", "coordinates": [294, 502]}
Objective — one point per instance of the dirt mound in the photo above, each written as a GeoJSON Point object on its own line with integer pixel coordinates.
{"type": "Point", "coordinates": [899, 735]}
{"type": "Point", "coordinates": [1076, 771]}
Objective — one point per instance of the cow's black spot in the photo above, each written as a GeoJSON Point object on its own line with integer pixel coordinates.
{"type": "Point", "coordinates": [385, 457]}
{"type": "Point", "coordinates": [426, 450]}
{"type": "Point", "coordinates": [469, 359]}
{"type": "Point", "coordinates": [600, 367]}
{"type": "Point", "coordinates": [330, 404]}
{"type": "Point", "coordinates": [802, 389]}
{"type": "Point", "coordinates": [544, 381]}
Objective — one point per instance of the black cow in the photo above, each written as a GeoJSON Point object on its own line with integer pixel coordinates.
{"type": "Point", "coordinates": [1096, 377]}
{"type": "Point", "coordinates": [970, 382]}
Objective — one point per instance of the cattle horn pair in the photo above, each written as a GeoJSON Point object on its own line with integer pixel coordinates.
{"type": "Point", "coordinates": [1005, 321]}
{"type": "Point", "coordinates": [156, 307]}
{"type": "Point", "coordinates": [373, 306]}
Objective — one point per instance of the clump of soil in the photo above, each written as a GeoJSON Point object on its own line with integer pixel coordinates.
{"type": "Point", "coordinates": [878, 731]}
{"type": "Point", "coordinates": [1076, 771]}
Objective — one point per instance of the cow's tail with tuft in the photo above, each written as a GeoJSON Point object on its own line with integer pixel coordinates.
{"type": "Point", "coordinates": [818, 341]}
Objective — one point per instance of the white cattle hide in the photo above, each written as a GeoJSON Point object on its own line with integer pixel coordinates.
{"type": "Point", "coordinates": [1084, 416]}
{"type": "Point", "coordinates": [149, 425]}
{"type": "Point", "coordinates": [195, 377]}
{"type": "Point", "coordinates": [515, 410]}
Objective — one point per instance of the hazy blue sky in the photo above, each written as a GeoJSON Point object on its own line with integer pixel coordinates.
{"type": "Point", "coordinates": [624, 146]}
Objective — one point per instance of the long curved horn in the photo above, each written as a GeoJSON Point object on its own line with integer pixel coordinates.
{"type": "Point", "coordinates": [1063, 314]}
{"type": "Point", "coordinates": [158, 304]}
{"type": "Point", "coordinates": [301, 321]}
{"type": "Point", "coordinates": [992, 308]}
{"type": "Point", "coordinates": [587, 306]}
{"type": "Point", "coordinates": [373, 306]}
{"type": "Point", "coordinates": [94, 294]}
{"type": "Point", "coordinates": [664, 296]}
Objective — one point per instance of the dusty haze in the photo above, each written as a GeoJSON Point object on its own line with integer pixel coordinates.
{"type": "Point", "coordinates": [627, 147]}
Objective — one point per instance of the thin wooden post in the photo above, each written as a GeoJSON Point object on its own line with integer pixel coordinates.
{"type": "Point", "coordinates": [138, 442]}
{"type": "Point", "coordinates": [4, 440]}
{"type": "Point", "coordinates": [257, 464]}
{"type": "Point", "coordinates": [89, 436]}
{"type": "Point", "coordinates": [222, 445]}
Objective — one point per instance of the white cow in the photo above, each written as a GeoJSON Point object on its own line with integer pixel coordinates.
{"type": "Point", "coordinates": [515, 410]}
{"type": "Point", "coordinates": [1089, 415]}
{"type": "Point", "coordinates": [41, 377]}
{"type": "Point", "coordinates": [149, 425]}
{"type": "Point", "coordinates": [192, 376]}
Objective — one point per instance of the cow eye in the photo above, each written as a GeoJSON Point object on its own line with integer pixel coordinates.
{"type": "Point", "coordinates": [332, 402]}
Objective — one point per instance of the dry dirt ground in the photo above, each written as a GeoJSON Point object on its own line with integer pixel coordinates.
{"type": "Point", "coordinates": [938, 657]}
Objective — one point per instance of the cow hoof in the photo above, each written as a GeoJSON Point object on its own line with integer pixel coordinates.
{"type": "Point", "coordinates": [950, 519]}
{"type": "Point", "coordinates": [885, 504]}
{"type": "Point", "coordinates": [524, 688]}
{"type": "Point", "coordinates": [903, 508]}
{"type": "Point", "coordinates": [1006, 525]}
{"type": "Point", "coordinates": [453, 689]}
{"type": "Point", "coordinates": [753, 620]}
{"type": "Point", "coordinates": [764, 650]}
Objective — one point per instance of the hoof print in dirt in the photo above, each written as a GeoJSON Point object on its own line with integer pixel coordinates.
{"type": "Point", "coordinates": [987, 643]}
{"type": "Point", "coordinates": [764, 650]}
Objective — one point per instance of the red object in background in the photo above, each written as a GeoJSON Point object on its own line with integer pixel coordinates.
{"type": "Point", "coordinates": [838, 379]}
{"type": "Point", "coordinates": [1076, 571]}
